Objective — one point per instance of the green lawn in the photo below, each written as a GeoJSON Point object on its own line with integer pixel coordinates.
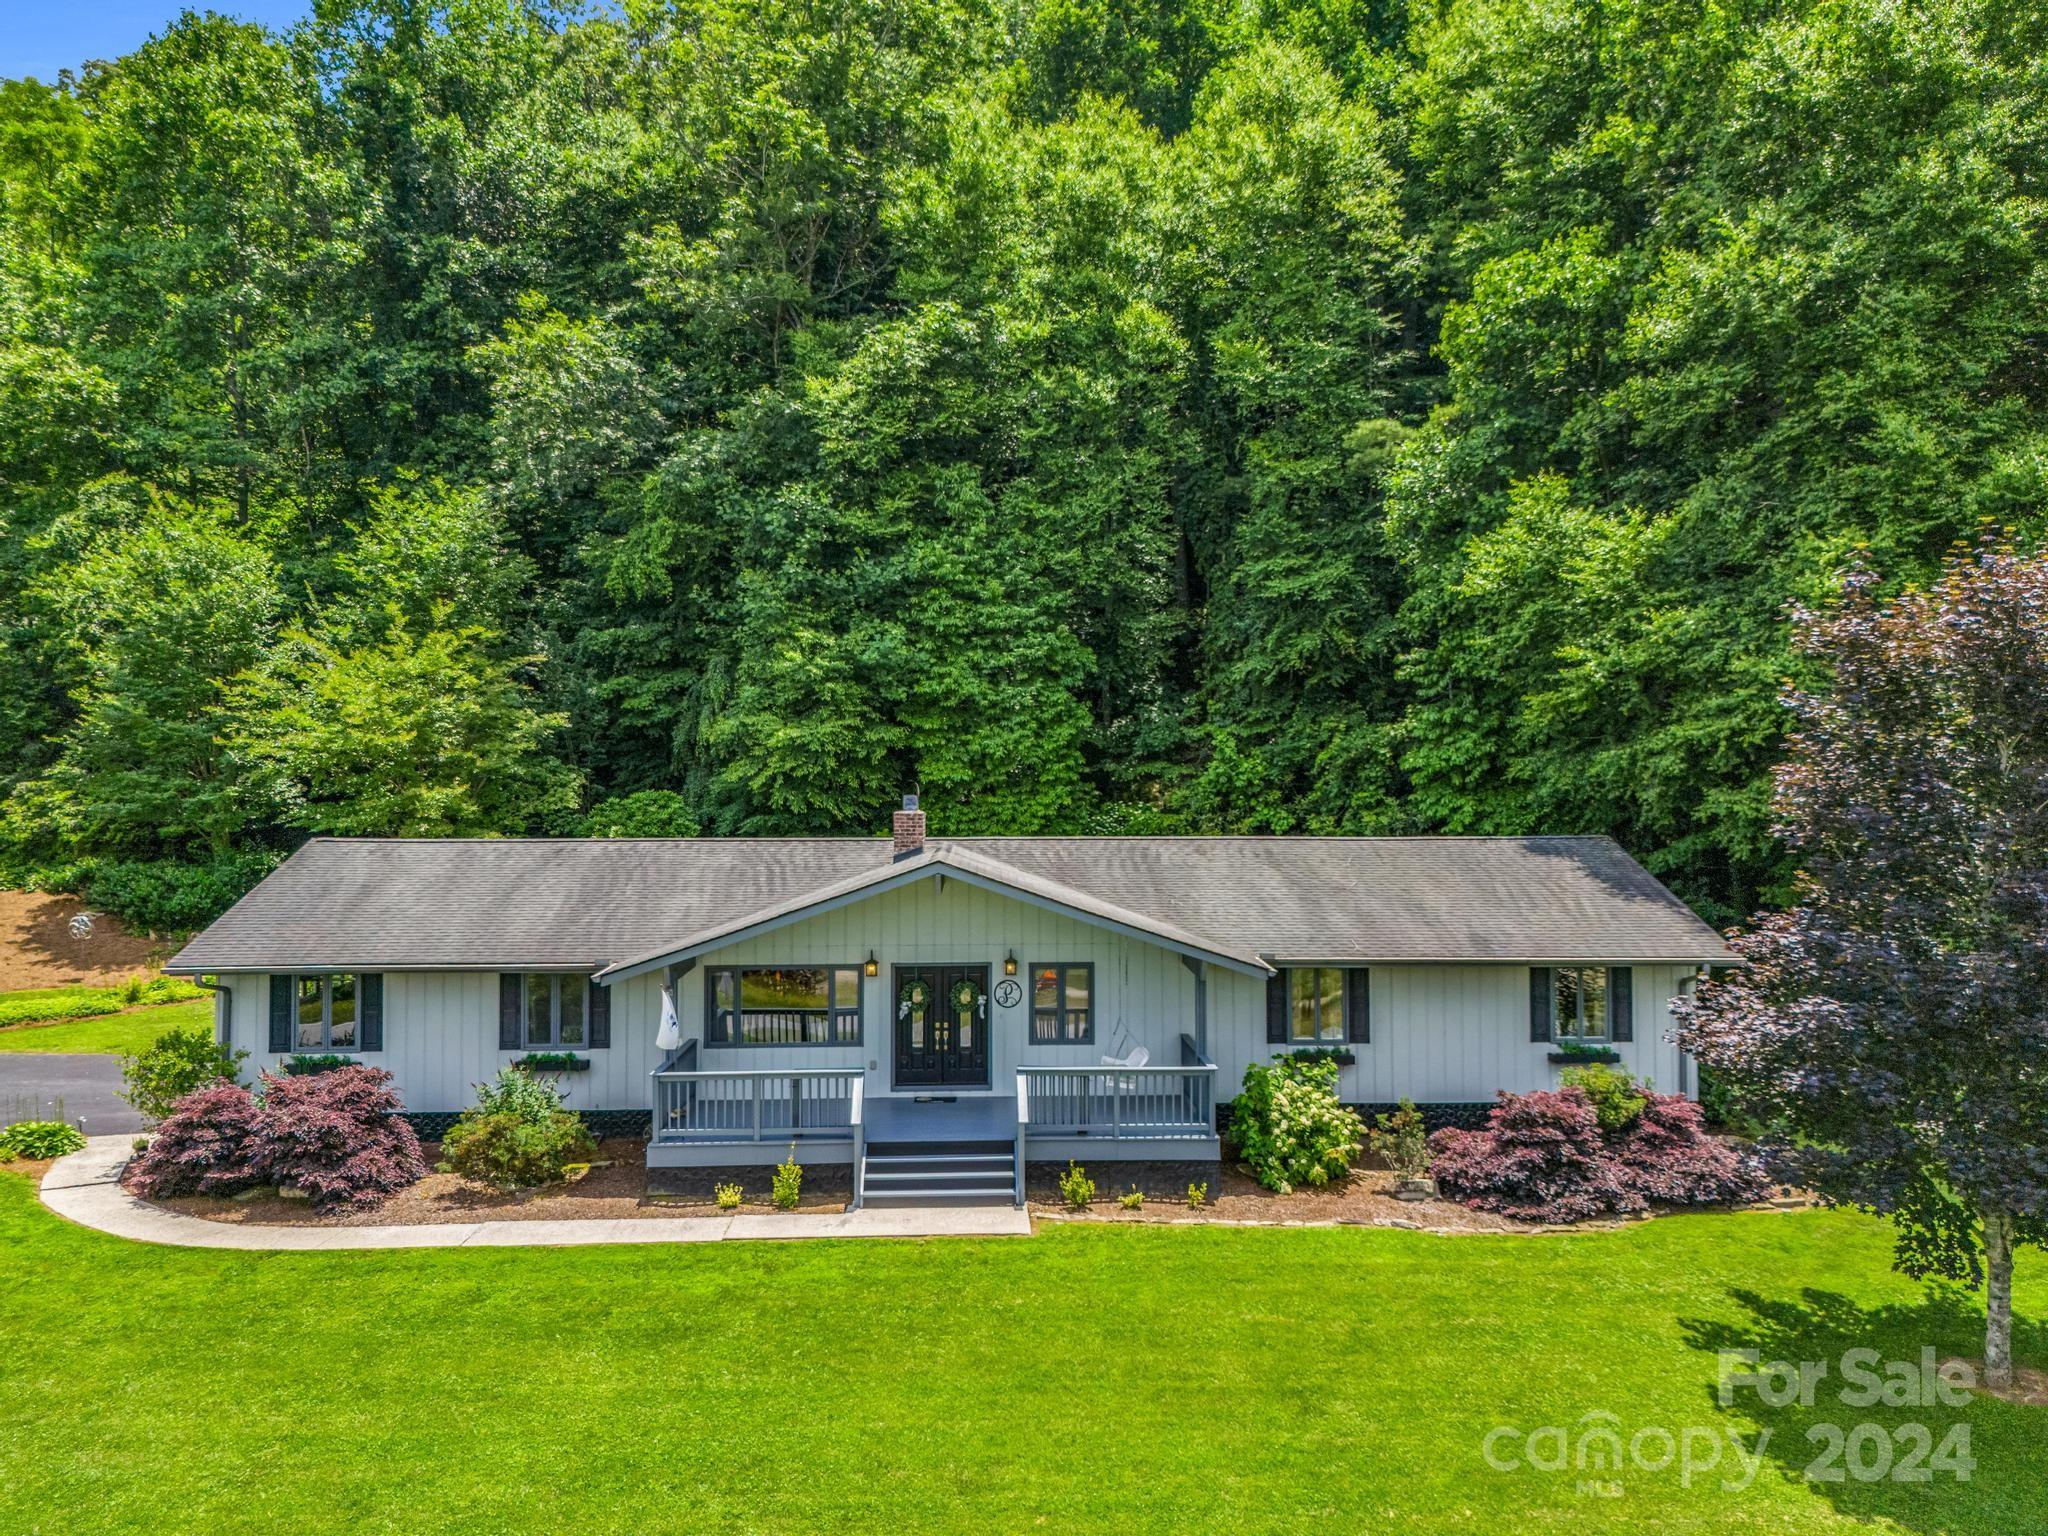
{"type": "Point", "coordinates": [108, 1033]}
{"type": "Point", "coordinates": [1090, 1379]}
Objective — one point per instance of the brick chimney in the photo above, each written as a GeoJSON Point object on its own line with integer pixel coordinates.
{"type": "Point", "coordinates": [908, 827]}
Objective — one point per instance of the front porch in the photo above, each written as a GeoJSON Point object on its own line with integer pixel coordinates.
{"type": "Point", "coordinates": [742, 1117]}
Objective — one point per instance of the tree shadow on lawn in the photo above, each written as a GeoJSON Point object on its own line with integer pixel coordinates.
{"type": "Point", "coordinates": [2007, 1490]}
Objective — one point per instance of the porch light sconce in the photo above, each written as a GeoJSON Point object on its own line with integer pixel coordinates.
{"type": "Point", "coordinates": [1010, 964]}
{"type": "Point", "coordinates": [872, 968]}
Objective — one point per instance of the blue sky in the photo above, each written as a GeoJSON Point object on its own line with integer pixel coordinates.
{"type": "Point", "coordinates": [40, 37]}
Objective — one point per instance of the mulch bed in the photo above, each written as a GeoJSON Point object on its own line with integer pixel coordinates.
{"type": "Point", "coordinates": [629, 1189]}
{"type": "Point", "coordinates": [1364, 1199]}
{"type": "Point", "coordinates": [603, 1194]}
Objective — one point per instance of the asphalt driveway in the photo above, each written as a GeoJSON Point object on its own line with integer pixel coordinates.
{"type": "Point", "coordinates": [82, 1089]}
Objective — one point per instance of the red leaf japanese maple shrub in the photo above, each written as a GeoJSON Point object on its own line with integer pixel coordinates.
{"type": "Point", "coordinates": [1666, 1155]}
{"type": "Point", "coordinates": [1540, 1158]}
{"type": "Point", "coordinates": [338, 1136]}
{"type": "Point", "coordinates": [206, 1145]}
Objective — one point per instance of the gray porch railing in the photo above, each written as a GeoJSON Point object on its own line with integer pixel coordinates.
{"type": "Point", "coordinates": [1124, 1103]}
{"type": "Point", "coordinates": [778, 1104]}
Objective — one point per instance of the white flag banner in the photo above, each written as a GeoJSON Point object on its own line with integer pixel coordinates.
{"type": "Point", "coordinates": [671, 1033]}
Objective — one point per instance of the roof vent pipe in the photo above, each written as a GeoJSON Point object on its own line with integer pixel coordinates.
{"type": "Point", "coordinates": [907, 826]}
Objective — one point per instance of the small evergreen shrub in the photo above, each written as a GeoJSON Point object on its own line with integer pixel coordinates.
{"type": "Point", "coordinates": [789, 1183]}
{"type": "Point", "coordinates": [1132, 1199]}
{"type": "Point", "coordinates": [516, 1135]}
{"type": "Point", "coordinates": [40, 1139]}
{"type": "Point", "coordinates": [1288, 1126]}
{"type": "Point", "coordinates": [206, 1145]}
{"type": "Point", "coordinates": [1540, 1159]}
{"type": "Point", "coordinates": [729, 1196]}
{"type": "Point", "coordinates": [1076, 1188]}
{"type": "Point", "coordinates": [1198, 1195]}
{"type": "Point", "coordinates": [1399, 1140]}
{"type": "Point", "coordinates": [340, 1137]}
{"type": "Point", "coordinates": [1617, 1097]}
{"type": "Point", "coordinates": [173, 1065]}
{"type": "Point", "coordinates": [1667, 1156]}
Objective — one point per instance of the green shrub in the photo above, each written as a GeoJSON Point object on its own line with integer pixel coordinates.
{"type": "Point", "coordinates": [1132, 1199]}
{"type": "Point", "coordinates": [1618, 1099]}
{"type": "Point", "coordinates": [1076, 1188]}
{"type": "Point", "coordinates": [1401, 1141]}
{"type": "Point", "coordinates": [516, 1135]}
{"type": "Point", "coordinates": [645, 813]}
{"type": "Point", "coordinates": [513, 1092]}
{"type": "Point", "coordinates": [729, 1196]}
{"type": "Point", "coordinates": [173, 1065]}
{"type": "Point", "coordinates": [150, 895]}
{"type": "Point", "coordinates": [1198, 1195]}
{"type": "Point", "coordinates": [1288, 1126]}
{"type": "Point", "coordinates": [39, 1139]}
{"type": "Point", "coordinates": [789, 1183]}
{"type": "Point", "coordinates": [513, 1152]}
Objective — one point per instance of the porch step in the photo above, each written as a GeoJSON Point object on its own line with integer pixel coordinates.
{"type": "Point", "coordinates": [939, 1178]}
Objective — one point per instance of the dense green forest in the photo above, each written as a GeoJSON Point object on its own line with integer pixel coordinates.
{"type": "Point", "coordinates": [1201, 415]}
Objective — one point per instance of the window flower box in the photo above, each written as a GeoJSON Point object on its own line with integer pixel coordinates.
{"type": "Point", "coordinates": [1585, 1057]}
{"type": "Point", "coordinates": [553, 1061]}
{"type": "Point", "coordinates": [1343, 1058]}
{"type": "Point", "coordinates": [312, 1066]}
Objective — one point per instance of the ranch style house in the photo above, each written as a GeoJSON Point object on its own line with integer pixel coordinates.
{"type": "Point", "coordinates": [936, 1012]}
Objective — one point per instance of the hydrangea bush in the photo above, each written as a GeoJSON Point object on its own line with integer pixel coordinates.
{"type": "Point", "coordinates": [340, 1137]}
{"type": "Point", "coordinates": [1289, 1128]}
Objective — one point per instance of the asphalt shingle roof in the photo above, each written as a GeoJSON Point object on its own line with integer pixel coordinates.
{"type": "Point", "coordinates": [527, 903]}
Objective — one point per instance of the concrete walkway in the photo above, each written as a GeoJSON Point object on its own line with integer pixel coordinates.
{"type": "Point", "coordinates": [81, 1088]}
{"type": "Point", "coordinates": [83, 1188]}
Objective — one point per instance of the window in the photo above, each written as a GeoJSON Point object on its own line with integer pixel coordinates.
{"type": "Point", "coordinates": [1063, 1005]}
{"type": "Point", "coordinates": [555, 1008]}
{"type": "Point", "coordinates": [782, 1005]}
{"type": "Point", "coordinates": [1581, 1002]}
{"type": "Point", "coordinates": [326, 1013]}
{"type": "Point", "coordinates": [1315, 1004]}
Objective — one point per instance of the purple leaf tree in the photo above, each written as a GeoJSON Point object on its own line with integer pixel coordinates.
{"type": "Point", "coordinates": [1892, 1027]}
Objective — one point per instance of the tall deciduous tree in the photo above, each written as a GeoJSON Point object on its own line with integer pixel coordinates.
{"type": "Point", "coordinates": [1894, 1021]}
{"type": "Point", "coordinates": [427, 735]}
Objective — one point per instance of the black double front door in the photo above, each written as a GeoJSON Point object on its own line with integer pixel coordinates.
{"type": "Point", "coordinates": [941, 1026]}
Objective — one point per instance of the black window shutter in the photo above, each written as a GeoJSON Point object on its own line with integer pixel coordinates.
{"type": "Point", "coordinates": [283, 991]}
{"type": "Point", "coordinates": [1358, 1007]}
{"type": "Point", "coordinates": [371, 990]}
{"type": "Point", "coordinates": [511, 987]}
{"type": "Point", "coordinates": [1621, 1003]}
{"type": "Point", "coordinates": [1541, 992]}
{"type": "Point", "coordinates": [1276, 1009]}
{"type": "Point", "coordinates": [714, 1027]}
{"type": "Point", "coordinates": [600, 1017]}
